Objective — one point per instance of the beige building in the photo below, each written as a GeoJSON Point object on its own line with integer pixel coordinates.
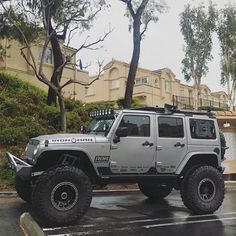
{"type": "Point", "coordinates": [14, 63]}
{"type": "Point", "coordinates": [151, 87]}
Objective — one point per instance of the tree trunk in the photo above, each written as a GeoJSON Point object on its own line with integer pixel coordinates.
{"type": "Point", "coordinates": [133, 64]}
{"type": "Point", "coordinates": [196, 93]}
{"type": "Point", "coordinates": [62, 113]}
{"type": "Point", "coordinates": [229, 93]}
{"type": "Point", "coordinates": [56, 76]}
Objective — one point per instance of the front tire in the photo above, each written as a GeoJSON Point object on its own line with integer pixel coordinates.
{"type": "Point", "coordinates": [202, 190]}
{"type": "Point", "coordinates": [155, 191]}
{"type": "Point", "coordinates": [61, 196]}
{"type": "Point", "coordinates": [23, 189]}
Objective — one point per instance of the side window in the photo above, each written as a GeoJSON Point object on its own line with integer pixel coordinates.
{"type": "Point", "coordinates": [137, 125]}
{"type": "Point", "coordinates": [202, 129]}
{"type": "Point", "coordinates": [170, 127]}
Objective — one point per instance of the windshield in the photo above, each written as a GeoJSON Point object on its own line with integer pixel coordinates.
{"type": "Point", "coordinates": [100, 125]}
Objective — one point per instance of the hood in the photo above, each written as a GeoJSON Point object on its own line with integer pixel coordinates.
{"type": "Point", "coordinates": [69, 138]}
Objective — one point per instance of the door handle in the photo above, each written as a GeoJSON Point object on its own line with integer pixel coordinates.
{"type": "Point", "coordinates": [179, 145]}
{"type": "Point", "coordinates": [147, 144]}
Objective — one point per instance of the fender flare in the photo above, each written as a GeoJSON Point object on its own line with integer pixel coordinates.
{"type": "Point", "coordinates": [192, 154]}
{"type": "Point", "coordinates": [66, 150]}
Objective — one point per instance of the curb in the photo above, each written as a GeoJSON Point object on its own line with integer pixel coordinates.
{"type": "Point", "coordinates": [230, 185]}
{"type": "Point", "coordinates": [8, 194]}
{"type": "Point", "coordinates": [29, 225]}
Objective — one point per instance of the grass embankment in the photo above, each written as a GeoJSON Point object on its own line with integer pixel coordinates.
{"type": "Point", "coordinates": [24, 114]}
{"type": "Point", "coordinates": [6, 175]}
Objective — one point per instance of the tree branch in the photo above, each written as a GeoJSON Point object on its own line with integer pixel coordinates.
{"type": "Point", "coordinates": [84, 45]}
{"type": "Point", "coordinates": [130, 7]}
{"type": "Point", "coordinates": [100, 71]}
{"type": "Point", "coordinates": [145, 27]}
{"type": "Point", "coordinates": [141, 7]}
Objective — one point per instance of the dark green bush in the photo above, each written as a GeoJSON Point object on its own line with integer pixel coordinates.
{"type": "Point", "coordinates": [52, 116]}
{"type": "Point", "coordinates": [209, 108]}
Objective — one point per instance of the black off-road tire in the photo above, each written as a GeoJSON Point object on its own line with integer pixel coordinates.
{"type": "Point", "coordinates": [222, 144]}
{"type": "Point", "coordinates": [202, 190]}
{"type": "Point", "coordinates": [155, 191]}
{"type": "Point", "coordinates": [62, 195]}
{"type": "Point", "coordinates": [23, 189]}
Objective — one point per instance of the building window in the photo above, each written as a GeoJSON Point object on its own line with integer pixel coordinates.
{"type": "Point", "coordinates": [170, 127]}
{"type": "Point", "coordinates": [142, 80]}
{"type": "Point", "coordinates": [89, 91]}
{"type": "Point", "coordinates": [115, 84]}
{"type": "Point", "coordinates": [47, 59]}
{"type": "Point", "coordinates": [167, 86]}
{"type": "Point", "coordinates": [156, 82]}
{"type": "Point", "coordinates": [202, 129]}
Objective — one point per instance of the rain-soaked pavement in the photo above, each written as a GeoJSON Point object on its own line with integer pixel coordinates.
{"type": "Point", "coordinates": [132, 214]}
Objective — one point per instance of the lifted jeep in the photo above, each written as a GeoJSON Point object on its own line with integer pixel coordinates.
{"type": "Point", "coordinates": [158, 148]}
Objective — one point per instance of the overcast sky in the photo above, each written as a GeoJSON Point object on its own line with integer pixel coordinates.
{"type": "Point", "coordinates": [161, 47]}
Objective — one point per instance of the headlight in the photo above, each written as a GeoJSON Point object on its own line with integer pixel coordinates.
{"type": "Point", "coordinates": [36, 149]}
{"type": "Point", "coordinates": [26, 148]}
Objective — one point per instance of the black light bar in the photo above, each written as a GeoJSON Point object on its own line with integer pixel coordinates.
{"type": "Point", "coordinates": [101, 112]}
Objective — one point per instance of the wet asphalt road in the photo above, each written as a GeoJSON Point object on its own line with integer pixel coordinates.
{"type": "Point", "coordinates": [10, 210]}
{"type": "Point", "coordinates": [132, 214]}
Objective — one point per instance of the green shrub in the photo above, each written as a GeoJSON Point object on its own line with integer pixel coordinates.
{"type": "Point", "coordinates": [209, 108]}
{"type": "Point", "coordinates": [52, 116]}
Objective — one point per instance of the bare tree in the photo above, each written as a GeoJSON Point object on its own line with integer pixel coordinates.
{"type": "Point", "coordinates": [141, 13]}
{"type": "Point", "coordinates": [53, 35]}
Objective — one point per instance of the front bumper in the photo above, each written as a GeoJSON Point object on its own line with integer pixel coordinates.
{"type": "Point", "coordinates": [22, 168]}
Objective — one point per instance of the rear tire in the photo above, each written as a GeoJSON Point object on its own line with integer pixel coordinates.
{"type": "Point", "coordinates": [62, 195]}
{"type": "Point", "coordinates": [23, 189]}
{"type": "Point", "coordinates": [155, 191]}
{"type": "Point", "coordinates": [202, 190]}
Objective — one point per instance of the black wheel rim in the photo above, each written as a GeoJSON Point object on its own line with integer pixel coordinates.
{"type": "Point", "coordinates": [64, 196]}
{"type": "Point", "coordinates": [206, 190]}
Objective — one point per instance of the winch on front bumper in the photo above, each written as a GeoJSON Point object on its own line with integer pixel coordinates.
{"type": "Point", "coordinates": [22, 168]}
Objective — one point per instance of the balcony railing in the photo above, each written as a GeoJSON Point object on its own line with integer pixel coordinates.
{"type": "Point", "coordinates": [188, 103]}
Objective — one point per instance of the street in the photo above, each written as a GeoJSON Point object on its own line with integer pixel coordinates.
{"type": "Point", "coordinates": [131, 214]}
{"type": "Point", "coordinates": [10, 211]}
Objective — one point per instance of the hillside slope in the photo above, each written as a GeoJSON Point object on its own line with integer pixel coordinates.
{"type": "Point", "coordinates": [24, 114]}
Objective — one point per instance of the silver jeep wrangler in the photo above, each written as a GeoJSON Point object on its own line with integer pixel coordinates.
{"type": "Point", "coordinates": [158, 148]}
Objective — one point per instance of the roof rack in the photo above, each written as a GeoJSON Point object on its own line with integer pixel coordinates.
{"type": "Point", "coordinates": [169, 110]}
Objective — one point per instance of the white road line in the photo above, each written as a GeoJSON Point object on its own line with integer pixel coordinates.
{"type": "Point", "coordinates": [181, 217]}
{"type": "Point", "coordinates": [187, 222]}
{"type": "Point", "coordinates": [80, 233]}
{"type": "Point", "coordinates": [66, 227]}
{"type": "Point", "coordinates": [94, 232]}
{"type": "Point", "coordinates": [146, 220]}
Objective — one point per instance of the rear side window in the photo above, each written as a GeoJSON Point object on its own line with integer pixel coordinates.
{"type": "Point", "coordinates": [202, 129]}
{"type": "Point", "coordinates": [170, 127]}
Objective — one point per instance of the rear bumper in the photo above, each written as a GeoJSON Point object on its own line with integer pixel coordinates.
{"type": "Point", "coordinates": [21, 168]}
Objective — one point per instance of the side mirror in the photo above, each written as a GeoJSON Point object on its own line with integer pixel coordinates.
{"type": "Point", "coordinates": [122, 132]}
